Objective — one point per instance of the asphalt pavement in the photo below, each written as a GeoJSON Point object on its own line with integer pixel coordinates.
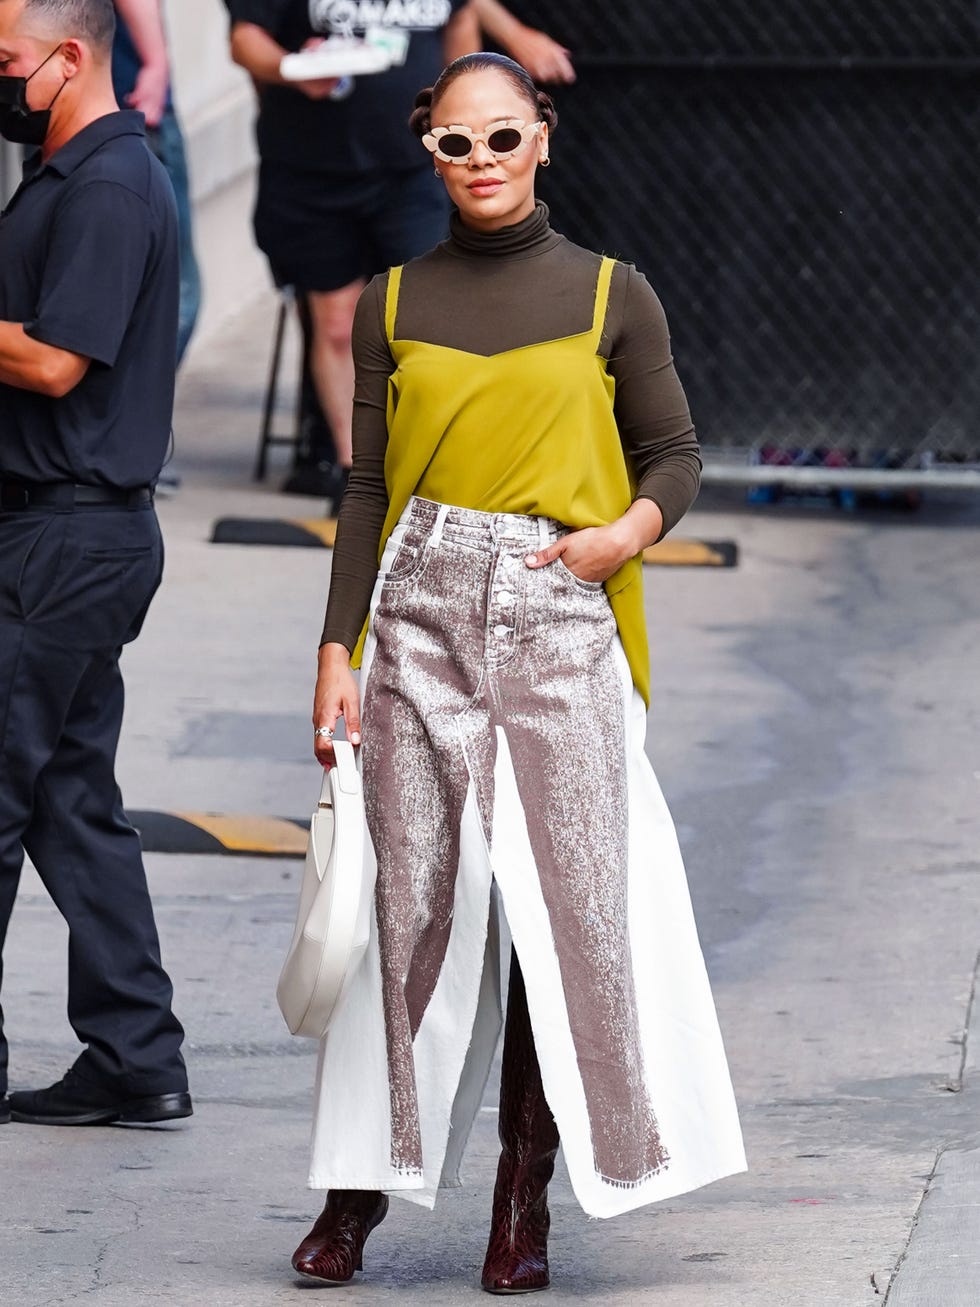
{"type": "Point", "coordinates": [816, 728]}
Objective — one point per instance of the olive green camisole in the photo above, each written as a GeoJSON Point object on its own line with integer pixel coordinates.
{"type": "Point", "coordinates": [528, 430]}
{"type": "Point", "coordinates": [511, 372]}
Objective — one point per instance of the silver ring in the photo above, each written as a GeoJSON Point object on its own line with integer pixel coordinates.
{"type": "Point", "coordinates": [323, 730]}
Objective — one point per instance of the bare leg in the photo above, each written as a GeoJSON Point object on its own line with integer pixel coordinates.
{"type": "Point", "coordinates": [331, 362]}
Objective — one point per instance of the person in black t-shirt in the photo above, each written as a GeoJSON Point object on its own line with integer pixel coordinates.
{"type": "Point", "coordinates": [344, 191]}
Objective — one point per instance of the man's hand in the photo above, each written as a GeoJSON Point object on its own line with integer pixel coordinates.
{"type": "Point", "coordinates": [318, 88]}
{"type": "Point", "coordinates": [543, 57]}
{"type": "Point", "coordinates": [144, 22]}
{"type": "Point", "coordinates": [149, 95]}
{"type": "Point", "coordinates": [321, 88]}
{"type": "Point", "coordinates": [253, 49]}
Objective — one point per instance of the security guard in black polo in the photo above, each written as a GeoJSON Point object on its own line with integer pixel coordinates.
{"type": "Point", "coordinates": [88, 329]}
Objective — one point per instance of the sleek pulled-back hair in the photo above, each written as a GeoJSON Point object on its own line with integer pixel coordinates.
{"type": "Point", "coordinates": [92, 20]}
{"type": "Point", "coordinates": [540, 102]}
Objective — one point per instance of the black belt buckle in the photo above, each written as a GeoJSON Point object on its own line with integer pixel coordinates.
{"type": "Point", "coordinates": [14, 496]}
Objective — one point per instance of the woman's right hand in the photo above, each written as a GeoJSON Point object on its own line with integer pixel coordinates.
{"type": "Point", "coordinates": [336, 696]}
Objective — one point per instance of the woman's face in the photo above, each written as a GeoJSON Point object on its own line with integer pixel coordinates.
{"type": "Point", "coordinates": [490, 192]}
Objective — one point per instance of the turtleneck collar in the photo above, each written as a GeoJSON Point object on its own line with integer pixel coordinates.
{"type": "Point", "coordinates": [531, 236]}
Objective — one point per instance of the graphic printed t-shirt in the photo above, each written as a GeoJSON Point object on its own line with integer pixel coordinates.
{"type": "Point", "coordinates": [367, 130]}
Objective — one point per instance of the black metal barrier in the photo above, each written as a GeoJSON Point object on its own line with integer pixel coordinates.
{"type": "Point", "coordinates": [799, 183]}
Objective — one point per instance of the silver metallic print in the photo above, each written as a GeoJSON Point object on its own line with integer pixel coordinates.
{"type": "Point", "coordinates": [506, 787]}
{"type": "Point", "coordinates": [469, 638]}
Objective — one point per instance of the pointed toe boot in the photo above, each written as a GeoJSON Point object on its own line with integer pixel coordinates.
{"type": "Point", "coordinates": [517, 1252]}
{"type": "Point", "coordinates": [333, 1250]}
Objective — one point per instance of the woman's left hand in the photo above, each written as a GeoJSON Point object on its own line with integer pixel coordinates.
{"type": "Point", "coordinates": [596, 552]}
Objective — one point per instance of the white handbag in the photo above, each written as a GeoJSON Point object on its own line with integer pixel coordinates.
{"type": "Point", "coordinates": [334, 918]}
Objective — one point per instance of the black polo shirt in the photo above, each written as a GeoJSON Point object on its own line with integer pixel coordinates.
{"type": "Point", "coordinates": [89, 263]}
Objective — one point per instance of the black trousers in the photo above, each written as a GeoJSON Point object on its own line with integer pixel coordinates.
{"type": "Point", "coordinates": [74, 588]}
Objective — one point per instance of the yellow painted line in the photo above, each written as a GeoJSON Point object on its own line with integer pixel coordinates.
{"type": "Point", "coordinates": [324, 528]}
{"type": "Point", "coordinates": [250, 834]}
{"type": "Point", "coordinates": [683, 553]}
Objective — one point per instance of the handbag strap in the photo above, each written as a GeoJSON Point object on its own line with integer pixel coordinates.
{"type": "Point", "coordinates": [348, 777]}
{"type": "Point", "coordinates": [343, 774]}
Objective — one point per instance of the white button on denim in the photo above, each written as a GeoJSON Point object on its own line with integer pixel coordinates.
{"type": "Point", "coordinates": [501, 630]}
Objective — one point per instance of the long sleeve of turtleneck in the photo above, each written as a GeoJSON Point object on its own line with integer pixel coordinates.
{"type": "Point", "coordinates": [489, 293]}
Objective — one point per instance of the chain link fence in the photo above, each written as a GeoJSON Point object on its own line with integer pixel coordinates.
{"type": "Point", "coordinates": [799, 182]}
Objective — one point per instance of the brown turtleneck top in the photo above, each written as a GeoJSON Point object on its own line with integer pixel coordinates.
{"type": "Point", "coordinates": [484, 293]}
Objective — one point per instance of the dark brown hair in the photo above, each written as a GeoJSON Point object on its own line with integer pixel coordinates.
{"type": "Point", "coordinates": [540, 101]}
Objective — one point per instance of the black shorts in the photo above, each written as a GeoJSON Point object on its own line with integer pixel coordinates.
{"type": "Point", "coordinates": [321, 231]}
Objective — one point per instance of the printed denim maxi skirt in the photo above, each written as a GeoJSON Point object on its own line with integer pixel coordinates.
{"type": "Point", "coordinates": [508, 793]}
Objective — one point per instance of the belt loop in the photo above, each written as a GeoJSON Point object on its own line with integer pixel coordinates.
{"type": "Point", "coordinates": [543, 533]}
{"type": "Point", "coordinates": [435, 539]}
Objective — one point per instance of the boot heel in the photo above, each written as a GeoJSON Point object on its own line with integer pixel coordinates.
{"type": "Point", "coordinates": [517, 1250]}
{"type": "Point", "coordinates": [334, 1249]}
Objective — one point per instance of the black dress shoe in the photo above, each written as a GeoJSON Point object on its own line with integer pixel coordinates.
{"type": "Point", "coordinates": [4, 1110]}
{"type": "Point", "coordinates": [77, 1101]}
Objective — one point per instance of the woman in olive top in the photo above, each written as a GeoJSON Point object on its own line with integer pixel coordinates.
{"type": "Point", "coordinates": [520, 436]}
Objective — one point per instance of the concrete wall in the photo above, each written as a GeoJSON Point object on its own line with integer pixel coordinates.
{"type": "Point", "coordinates": [216, 103]}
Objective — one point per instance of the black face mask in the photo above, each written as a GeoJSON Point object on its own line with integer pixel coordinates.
{"type": "Point", "coordinates": [18, 122]}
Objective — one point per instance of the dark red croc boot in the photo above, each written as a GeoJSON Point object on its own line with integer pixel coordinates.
{"type": "Point", "coordinates": [517, 1254]}
{"type": "Point", "coordinates": [333, 1249]}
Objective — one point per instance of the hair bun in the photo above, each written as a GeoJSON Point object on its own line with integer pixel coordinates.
{"type": "Point", "coordinates": [547, 111]}
{"type": "Point", "coordinates": [419, 120]}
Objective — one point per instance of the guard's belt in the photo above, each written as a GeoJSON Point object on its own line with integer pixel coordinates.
{"type": "Point", "coordinates": [16, 495]}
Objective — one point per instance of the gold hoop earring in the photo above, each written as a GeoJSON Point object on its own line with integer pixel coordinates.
{"type": "Point", "coordinates": [545, 162]}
